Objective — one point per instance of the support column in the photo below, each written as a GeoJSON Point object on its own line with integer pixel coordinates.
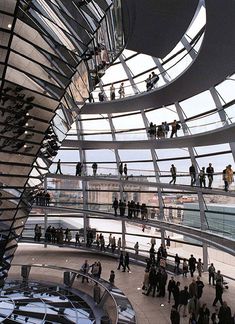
{"type": "Point", "coordinates": [205, 256]}
{"type": "Point", "coordinates": [45, 215]}
{"type": "Point", "coordinates": [157, 175]}
{"type": "Point", "coordinates": [82, 156]}
{"type": "Point", "coordinates": [201, 202]}
{"type": "Point", "coordinates": [123, 234]}
{"type": "Point", "coordinates": [223, 117]}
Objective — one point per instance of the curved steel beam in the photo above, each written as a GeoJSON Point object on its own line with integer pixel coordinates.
{"type": "Point", "coordinates": [217, 136]}
{"type": "Point", "coordinates": [212, 65]}
{"type": "Point", "coordinates": [222, 243]}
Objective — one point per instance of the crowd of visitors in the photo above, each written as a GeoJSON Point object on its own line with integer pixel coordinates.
{"type": "Point", "coordinates": [161, 131]}
{"type": "Point", "coordinates": [54, 235]}
{"type": "Point", "coordinates": [133, 209]}
{"type": "Point", "coordinates": [42, 198]}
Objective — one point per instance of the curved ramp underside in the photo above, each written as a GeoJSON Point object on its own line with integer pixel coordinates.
{"type": "Point", "coordinates": [156, 29]}
{"type": "Point", "coordinates": [213, 64]}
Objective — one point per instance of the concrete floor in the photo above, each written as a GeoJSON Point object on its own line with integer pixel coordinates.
{"type": "Point", "coordinates": [148, 309]}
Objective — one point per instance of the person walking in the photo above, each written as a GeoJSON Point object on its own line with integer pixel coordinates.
{"type": "Point", "coordinates": [173, 174]}
{"type": "Point", "coordinates": [152, 282]}
{"type": "Point", "coordinates": [218, 293]}
{"type": "Point", "coordinates": [192, 264]}
{"type": "Point", "coordinates": [121, 261]}
{"type": "Point", "coordinates": [126, 262]}
{"type": "Point", "coordinates": [174, 128]}
{"type": "Point", "coordinates": [58, 169]}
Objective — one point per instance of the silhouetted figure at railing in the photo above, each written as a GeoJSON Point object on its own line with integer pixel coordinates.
{"type": "Point", "coordinates": [210, 172]}
{"type": "Point", "coordinates": [58, 169]}
{"type": "Point", "coordinates": [94, 168]}
{"type": "Point", "coordinates": [79, 167]}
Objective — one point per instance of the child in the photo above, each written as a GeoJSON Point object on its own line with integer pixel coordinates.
{"type": "Point", "coordinates": [112, 277]}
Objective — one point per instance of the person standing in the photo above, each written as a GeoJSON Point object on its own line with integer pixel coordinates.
{"type": "Point", "coordinates": [119, 244]}
{"type": "Point", "coordinates": [210, 172]}
{"type": "Point", "coordinates": [192, 172]}
{"type": "Point", "coordinates": [112, 92]}
{"type": "Point", "coordinates": [229, 175]}
{"type": "Point", "coordinates": [174, 127]}
{"type": "Point", "coordinates": [202, 177]}
{"type": "Point", "coordinates": [85, 269]}
{"type": "Point", "coordinates": [121, 91]}
{"type": "Point", "coordinates": [225, 179]}
{"type": "Point", "coordinates": [199, 267]}
{"type": "Point", "coordinates": [113, 244]}
{"type": "Point", "coordinates": [170, 288]}
{"type": "Point", "coordinates": [136, 248]}
{"type": "Point", "coordinates": [125, 170]}
{"type": "Point", "coordinates": [168, 242]}
{"type": "Point", "coordinates": [94, 168]}
{"type": "Point", "coordinates": [120, 168]}
{"type": "Point", "coordinates": [79, 169]}
{"type": "Point", "coordinates": [58, 169]}
{"type": "Point", "coordinates": [192, 265]}
{"type": "Point", "coordinates": [193, 288]}
{"type": "Point", "coordinates": [176, 294]}
{"type": "Point", "coordinates": [177, 264]}
{"type": "Point", "coordinates": [115, 206]}
{"type": "Point", "coordinates": [112, 277]}
{"type": "Point", "coordinates": [185, 268]}
{"type": "Point", "coordinates": [96, 293]}
{"type": "Point", "coordinates": [211, 271]}
{"type": "Point", "coordinates": [200, 286]}
{"type": "Point", "coordinates": [173, 174]}
{"type": "Point", "coordinates": [183, 300]}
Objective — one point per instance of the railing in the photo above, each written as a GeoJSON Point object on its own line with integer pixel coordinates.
{"type": "Point", "coordinates": [139, 258]}
{"type": "Point", "coordinates": [175, 65]}
{"type": "Point", "coordinates": [111, 297]}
